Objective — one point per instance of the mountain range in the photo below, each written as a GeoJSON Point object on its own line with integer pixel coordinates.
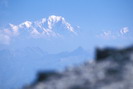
{"type": "Point", "coordinates": [112, 69]}
{"type": "Point", "coordinates": [23, 64]}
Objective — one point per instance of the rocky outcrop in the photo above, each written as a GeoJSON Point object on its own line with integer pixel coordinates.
{"type": "Point", "coordinates": [112, 69]}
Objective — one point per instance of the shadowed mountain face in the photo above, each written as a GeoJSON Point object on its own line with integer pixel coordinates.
{"type": "Point", "coordinates": [23, 64]}
{"type": "Point", "coordinates": [112, 69]}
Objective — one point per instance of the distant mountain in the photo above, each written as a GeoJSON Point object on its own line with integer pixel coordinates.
{"type": "Point", "coordinates": [23, 64]}
{"type": "Point", "coordinates": [112, 69]}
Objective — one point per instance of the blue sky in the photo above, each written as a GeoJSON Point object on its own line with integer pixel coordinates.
{"type": "Point", "coordinates": [96, 23]}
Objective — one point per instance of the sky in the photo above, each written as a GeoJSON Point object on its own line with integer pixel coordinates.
{"type": "Point", "coordinates": [63, 25]}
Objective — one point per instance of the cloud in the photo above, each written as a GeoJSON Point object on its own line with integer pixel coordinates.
{"type": "Point", "coordinates": [107, 35]}
{"type": "Point", "coordinates": [115, 34]}
{"type": "Point", "coordinates": [124, 30]}
{"type": "Point", "coordinates": [41, 28]}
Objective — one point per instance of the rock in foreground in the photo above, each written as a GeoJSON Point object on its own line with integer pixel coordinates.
{"type": "Point", "coordinates": [112, 69]}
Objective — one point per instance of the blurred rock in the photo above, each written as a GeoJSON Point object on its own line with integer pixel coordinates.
{"type": "Point", "coordinates": [112, 69]}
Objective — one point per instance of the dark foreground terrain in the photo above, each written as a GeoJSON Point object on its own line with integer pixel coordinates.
{"type": "Point", "coordinates": [112, 69]}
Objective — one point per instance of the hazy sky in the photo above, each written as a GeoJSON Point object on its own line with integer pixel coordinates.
{"type": "Point", "coordinates": [61, 25]}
